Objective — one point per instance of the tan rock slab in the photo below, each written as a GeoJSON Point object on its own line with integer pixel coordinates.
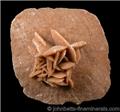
{"type": "Point", "coordinates": [91, 75]}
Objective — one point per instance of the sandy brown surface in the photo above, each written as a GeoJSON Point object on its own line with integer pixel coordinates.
{"type": "Point", "coordinates": [91, 76]}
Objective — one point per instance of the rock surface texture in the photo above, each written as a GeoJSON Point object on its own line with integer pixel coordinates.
{"type": "Point", "coordinates": [90, 74]}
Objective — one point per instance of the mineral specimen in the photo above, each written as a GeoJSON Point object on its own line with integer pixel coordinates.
{"type": "Point", "coordinates": [60, 55]}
